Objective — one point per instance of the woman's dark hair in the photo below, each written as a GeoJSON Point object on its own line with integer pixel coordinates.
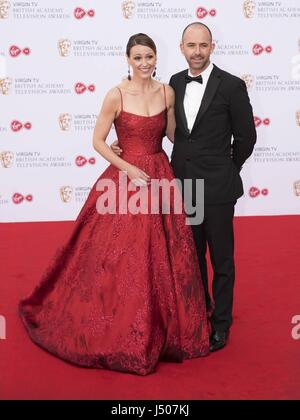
{"type": "Point", "coordinates": [140, 39]}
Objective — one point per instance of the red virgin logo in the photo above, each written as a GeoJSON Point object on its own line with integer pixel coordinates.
{"type": "Point", "coordinates": [82, 161]}
{"type": "Point", "coordinates": [80, 13]}
{"type": "Point", "coordinates": [258, 122]}
{"type": "Point", "coordinates": [259, 49]}
{"type": "Point", "coordinates": [18, 126]}
{"type": "Point", "coordinates": [18, 198]}
{"type": "Point", "coordinates": [202, 13]}
{"type": "Point", "coordinates": [81, 88]}
{"type": "Point", "coordinates": [15, 51]}
{"type": "Point", "coordinates": [255, 192]}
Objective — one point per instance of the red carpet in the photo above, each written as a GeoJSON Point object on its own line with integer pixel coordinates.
{"type": "Point", "coordinates": [261, 362]}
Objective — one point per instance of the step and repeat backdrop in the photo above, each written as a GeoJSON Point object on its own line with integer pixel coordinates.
{"type": "Point", "coordinates": [59, 58]}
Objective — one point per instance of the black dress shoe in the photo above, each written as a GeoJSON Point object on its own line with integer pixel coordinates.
{"type": "Point", "coordinates": [218, 340]}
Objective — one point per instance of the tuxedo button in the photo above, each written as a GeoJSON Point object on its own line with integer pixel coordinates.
{"type": "Point", "coordinates": [191, 141]}
{"type": "Point", "coordinates": [188, 159]}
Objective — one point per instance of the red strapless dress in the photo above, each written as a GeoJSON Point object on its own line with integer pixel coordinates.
{"type": "Point", "coordinates": [125, 290]}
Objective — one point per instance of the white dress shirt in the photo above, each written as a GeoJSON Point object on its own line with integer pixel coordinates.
{"type": "Point", "coordinates": [193, 96]}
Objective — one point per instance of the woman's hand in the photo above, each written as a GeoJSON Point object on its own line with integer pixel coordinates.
{"type": "Point", "coordinates": [138, 177]}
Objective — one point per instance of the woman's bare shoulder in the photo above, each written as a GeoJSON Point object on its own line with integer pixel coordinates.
{"type": "Point", "coordinates": [113, 95]}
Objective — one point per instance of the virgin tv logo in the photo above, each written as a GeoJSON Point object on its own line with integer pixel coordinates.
{"type": "Point", "coordinates": [15, 51]}
{"type": "Point", "coordinates": [259, 121]}
{"type": "Point", "coordinates": [18, 198]}
{"type": "Point", "coordinates": [81, 88]}
{"type": "Point", "coordinates": [258, 49]}
{"type": "Point", "coordinates": [17, 126]}
{"type": "Point", "coordinates": [82, 161]}
{"type": "Point", "coordinates": [255, 192]}
{"type": "Point", "coordinates": [80, 13]}
{"type": "Point", "coordinates": [202, 13]}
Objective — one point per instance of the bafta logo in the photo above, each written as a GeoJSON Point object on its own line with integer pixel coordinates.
{"type": "Point", "coordinates": [297, 188]}
{"type": "Point", "coordinates": [249, 8]}
{"type": "Point", "coordinates": [65, 122]}
{"type": "Point", "coordinates": [7, 159]}
{"type": "Point", "coordinates": [5, 85]}
{"type": "Point", "coordinates": [248, 79]}
{"type": "Point", "coordinates": [4, 9]}
{"type": "Point", "coordinates": [66, 194]}
{"type": "Point", "coordinates": [298, 118]}
{"type": "Point", "coordinates": [128, 7]}
{"type": "Point", "coordinates": [64, 47]}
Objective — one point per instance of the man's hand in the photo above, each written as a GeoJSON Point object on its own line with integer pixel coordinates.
{"type": "Point", "coordinates": [115, 148]}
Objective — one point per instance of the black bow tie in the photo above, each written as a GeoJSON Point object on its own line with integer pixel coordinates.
{"type": "Point", "coordinates": [189, 79]}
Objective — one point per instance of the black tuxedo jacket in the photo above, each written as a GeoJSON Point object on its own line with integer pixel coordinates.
{"type": "Point", "coordinates": [208, 152]}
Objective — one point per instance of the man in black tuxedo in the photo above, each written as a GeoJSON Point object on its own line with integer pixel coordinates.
{"type": "Point", "coordinates": [212, 107]}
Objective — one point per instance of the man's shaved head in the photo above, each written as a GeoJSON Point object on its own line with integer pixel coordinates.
{"type": "Point", "coordinates": [197, 25]}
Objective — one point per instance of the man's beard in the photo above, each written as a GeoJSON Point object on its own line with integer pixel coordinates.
{"type": "Point", "coordinates": [200, 65]}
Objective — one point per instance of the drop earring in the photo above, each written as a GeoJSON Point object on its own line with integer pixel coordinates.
{"type": "Point", "coordinates": [129, 75]}
{"type": "Point", "coordinates": [154, 74]}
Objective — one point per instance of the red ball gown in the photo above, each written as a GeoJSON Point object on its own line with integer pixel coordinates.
{"type": "Point", "coordinates": [125, 291]}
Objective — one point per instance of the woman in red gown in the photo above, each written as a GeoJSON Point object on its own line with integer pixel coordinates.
{"type": "Point", "coordinates": [125, 291]}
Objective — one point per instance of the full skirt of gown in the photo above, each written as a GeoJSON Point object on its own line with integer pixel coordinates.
{"type": "Point", "coordinates": [125, 290]}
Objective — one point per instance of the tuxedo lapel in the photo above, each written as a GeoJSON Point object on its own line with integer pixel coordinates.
{"type": "Point", "coordinates": [211, 88]}
{"type": "Point", "coordinates": [180, 100]}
